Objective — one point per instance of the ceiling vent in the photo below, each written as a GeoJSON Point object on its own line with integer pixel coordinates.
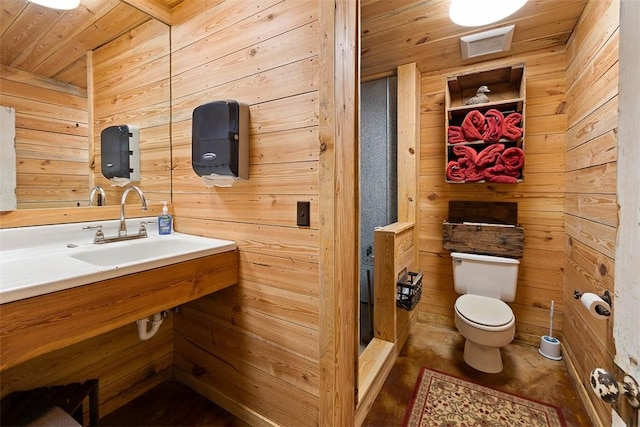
{"type": "Point", "coordinates": [486, 42]}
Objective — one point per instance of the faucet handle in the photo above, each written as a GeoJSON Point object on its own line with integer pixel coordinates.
{"type": "Point", "coordinates": [143, 228]}
{"type": "Point", "coordinates": [99, 236]}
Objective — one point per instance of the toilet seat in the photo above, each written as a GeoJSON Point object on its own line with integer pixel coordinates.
{"type": "Point", "coordinates": [485, 312]}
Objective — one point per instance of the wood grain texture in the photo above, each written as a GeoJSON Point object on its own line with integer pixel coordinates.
{"type": "Point", "coordinates": [32, 217]}
{"type": "Point", "coordinates": [130, 85]}
{"type": "Point", "coordinates": [399, 32]}
{"type": "Point", "coordinates": [483, 239]}
{"type": "Point", "coordinates": [114, 358]}
{"type": "Point", "coordinates": [249, 52]}
{"type": "Point", "coordinates": [51, 144]}
{"type": "Point", "coordinates": [408, 162]}
{"type": "Point", "coordinates": [339, 132]}
{"type": "Point", "coordinates": [540, 197]}
{"type": "Point", "coordinates": [35, 326]}
{"type": "Point", "coordinates": [394, 249]}
{"type": "Point", "coordinates": [53, 43]}
{"type": "Point", "coordinates": [591, 211]}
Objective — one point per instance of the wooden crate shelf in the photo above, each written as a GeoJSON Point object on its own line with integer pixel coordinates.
{"type": "Point", "coordinates": [508, 94]}
{"type": "Point", "coordinates": [487, 239]}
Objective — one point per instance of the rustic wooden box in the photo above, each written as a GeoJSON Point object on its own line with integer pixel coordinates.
{"type": "Point", "coordinates": [508, 95]}
{"type": "Point", "coordinates": [487, 239]}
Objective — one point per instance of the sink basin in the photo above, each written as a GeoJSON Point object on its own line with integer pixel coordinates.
{"type": "Point", "coordinates": [136, 251]}
{"type": "Point", "coordinates": [44, 259]}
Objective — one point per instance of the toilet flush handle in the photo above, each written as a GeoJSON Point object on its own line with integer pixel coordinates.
{"type": "Point", "coordinates": [457, 261]}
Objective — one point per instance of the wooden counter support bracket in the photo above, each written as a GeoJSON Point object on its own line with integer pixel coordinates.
{"type": "Point", "coordinates": [38, 325]}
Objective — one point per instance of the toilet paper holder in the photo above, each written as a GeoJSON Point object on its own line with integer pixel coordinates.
{"type": "Point", "coordinates": [606, 297]}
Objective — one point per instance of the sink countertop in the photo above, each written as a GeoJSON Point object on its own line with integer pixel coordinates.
{"type": "Point", "coordinates": [36, 260]}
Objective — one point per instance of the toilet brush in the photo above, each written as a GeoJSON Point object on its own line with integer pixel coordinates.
{"type": "Point", "coordinates": [551, 318]}
{"type": "Point", "coordinates": [550, 346]}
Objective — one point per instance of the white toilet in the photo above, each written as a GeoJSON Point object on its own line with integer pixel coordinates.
{"type": "Point", "coordinates": [481, 314]}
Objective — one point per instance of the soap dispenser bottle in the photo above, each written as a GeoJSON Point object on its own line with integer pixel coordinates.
{"type": "Point", "coordinates": [164, 221]}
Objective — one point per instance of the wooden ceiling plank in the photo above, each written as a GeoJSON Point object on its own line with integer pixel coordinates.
{"type": "Point", "coordinates": [74, 74]}
{"type": "Point", "coordinates": [157, 10]}
{"type": "Point", "coordinates": [446, 54]}
{"type": "Point", "coordinates": [25, 30]}
{"type": "Point", "coordinates": [399, 11]}
{"type": "Point", "coordinates": [9, 12]}
{"type": "Point", "coordinates": [440, 27]}
{"type": "Point", "coordinates": [415, 13]}
{"type": "Point", "coordinates": [117, 21]}
{"type": "Point", "coordinates": [66, 27]}
{"type": "Point", "coordinates": [384, 50]}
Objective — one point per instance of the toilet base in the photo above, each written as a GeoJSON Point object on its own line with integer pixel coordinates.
{"type": "Point", "coordinates": [483, 358]}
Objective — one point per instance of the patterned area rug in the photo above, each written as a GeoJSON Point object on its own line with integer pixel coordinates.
{"type": "Point", "coordinates": [442, 400]}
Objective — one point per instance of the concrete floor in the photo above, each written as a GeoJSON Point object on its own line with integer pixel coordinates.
{"type": "Point", "coordinates": [171, 404]}
{"type": "Point", "coordinates": [526, 374]}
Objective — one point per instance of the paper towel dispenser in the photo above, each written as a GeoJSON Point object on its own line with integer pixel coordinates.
{"type": "Point", "coordinates": [220, 139]}
{"type": "Point", "coordinates": [120, 152]}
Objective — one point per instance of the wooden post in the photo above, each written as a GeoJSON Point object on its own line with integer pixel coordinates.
{"type": "Point", "coordinates": [409, 147]}
{"type": "Point", "coordinates": [338, 210]}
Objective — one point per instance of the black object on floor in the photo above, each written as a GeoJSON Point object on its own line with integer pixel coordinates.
{"type": "Point", "coordinates": [23, 407]}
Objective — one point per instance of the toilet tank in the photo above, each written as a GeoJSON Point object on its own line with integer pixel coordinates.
{"type": "Point", "coordinates": [485, 275]}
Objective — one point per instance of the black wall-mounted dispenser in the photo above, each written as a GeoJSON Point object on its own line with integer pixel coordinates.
{"type": "Point", "coordinates": [120, 152]}
{"type": "Point", "coordinates": [220, 139]}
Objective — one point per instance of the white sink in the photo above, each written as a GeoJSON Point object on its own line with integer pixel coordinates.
{"type": "Point", "coordinates": [44, 259]}
{"type": "Point", "coordinates": [148, 249]}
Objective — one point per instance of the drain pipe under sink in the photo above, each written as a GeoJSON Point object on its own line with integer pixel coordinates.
{"type": "Point", "coordinates": [144, 331]}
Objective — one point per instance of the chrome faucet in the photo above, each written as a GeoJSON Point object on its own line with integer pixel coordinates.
{"type": "Point", "coordinates": [102, 199]}
{"type": "Point", "coordinates": [122, 231]}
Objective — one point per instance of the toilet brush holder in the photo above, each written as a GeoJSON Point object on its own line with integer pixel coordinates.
{"type": "Point", "coordinates": [550, 347]}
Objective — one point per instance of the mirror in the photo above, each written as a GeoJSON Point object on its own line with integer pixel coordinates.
{"type": "Point", "coordinates": [70, 74]}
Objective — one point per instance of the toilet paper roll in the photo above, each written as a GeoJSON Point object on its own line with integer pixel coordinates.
{"type": "Point", "coordinates": [596, 305]}
{"type": "Point", "coordinates": [215, 180]}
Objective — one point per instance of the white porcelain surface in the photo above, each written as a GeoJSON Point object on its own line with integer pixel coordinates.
{"type": "Point", "coordinates": [490, 276]}
{"type": "Point", "coordinates": [479, 334]}
{"type": "Point", "coordinates": [481, 346]}
{"type": "Point", "coordinates": [485, 311]}
{"type": "Point", "coordinates": [43, 259]}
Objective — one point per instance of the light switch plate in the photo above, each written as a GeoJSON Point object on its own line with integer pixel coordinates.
{"type": "Point", "coordinates": [303, 214]}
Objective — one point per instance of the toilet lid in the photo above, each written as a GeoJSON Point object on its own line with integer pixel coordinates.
{"type": "Point", "coordinates": [484, 310]}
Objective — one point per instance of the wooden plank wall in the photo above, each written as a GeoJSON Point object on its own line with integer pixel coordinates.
{"type": "Point", "coordinates": [540, 197]}
{"type": "Point", "coordinates": [591, 214]}
{"type": "Point", "coordinates": [125, 366]}
{"type": "Point", "coordinates": [254, 346]}
{"type": "Point", "coordinates": [131, 86]}
{"type": "Point", "coordinates": [52, 148]}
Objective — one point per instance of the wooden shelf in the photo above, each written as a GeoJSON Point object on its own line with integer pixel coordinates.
{"type": "Point", "coordinates": [489, 228]}
{"type": "Point", "coordinates": [507, 87]}
{"type": "Point", "coordinates": [505, 83]}
{"type": "Point", "coordinates": [462, 110]}
{"type": "Point", "coordinates": [481, 142]}
{"type": "Point", "coordinates": [488, 239]}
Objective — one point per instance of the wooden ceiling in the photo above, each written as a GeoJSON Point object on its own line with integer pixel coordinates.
{"type": "Point", "coordinates": [53, 43]}
{"type": "Point", "coordinates": [396, 32]}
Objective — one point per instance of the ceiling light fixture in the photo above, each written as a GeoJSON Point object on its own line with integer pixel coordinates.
{"type": "Point", "coordinates": [474, 13]}
{"type": "Point", "coordinates": [58, 4]}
